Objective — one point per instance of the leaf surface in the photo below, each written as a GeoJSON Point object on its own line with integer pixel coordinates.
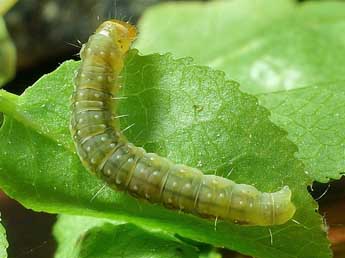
{"type": "Point", "coordinates": [7, 55]}
{"type": "Point", "coordinates": [315, 118]}
{"type": "Point", "coordinates": [86, 237]}
{"type": "Point", "coordinates": [266, 46]}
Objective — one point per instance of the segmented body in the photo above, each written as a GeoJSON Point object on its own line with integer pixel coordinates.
{"type": "Point", "coordinates": [104, 150]}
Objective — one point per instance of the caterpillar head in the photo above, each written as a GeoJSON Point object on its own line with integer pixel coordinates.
{"type": "Point", "coordinates": [122, 33]}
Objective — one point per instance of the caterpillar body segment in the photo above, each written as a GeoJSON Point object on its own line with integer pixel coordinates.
{"type": "Point", "coordinates": [104, 150]}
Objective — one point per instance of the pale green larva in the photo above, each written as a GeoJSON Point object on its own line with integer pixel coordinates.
{"type": "Point", "coordinates": [104, 150]}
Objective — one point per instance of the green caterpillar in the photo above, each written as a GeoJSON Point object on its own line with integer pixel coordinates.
{"type": "Point", "coordinates": [104, 150]}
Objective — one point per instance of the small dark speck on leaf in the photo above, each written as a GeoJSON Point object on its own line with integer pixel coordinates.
{"type": "Point", "coordinates": [198, 108]}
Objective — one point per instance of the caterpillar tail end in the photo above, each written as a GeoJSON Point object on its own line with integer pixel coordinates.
{"type": "Point", "coordinates": [284, 209]}
{"type": "Point", "coordinates": [270, 208]}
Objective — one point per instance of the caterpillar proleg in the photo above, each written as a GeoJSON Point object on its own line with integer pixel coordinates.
{"type": "Point", "coordinates": [105, 151]}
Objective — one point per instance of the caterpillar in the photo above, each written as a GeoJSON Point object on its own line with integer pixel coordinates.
{"type": "Point", "coordinates": [105, 151]}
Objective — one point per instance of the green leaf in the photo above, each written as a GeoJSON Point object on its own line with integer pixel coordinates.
{"type": "Point", "coordinates": [211, 254]}
{"type": "Point", "coordinates": [190, 114]}
{"type": "Point", "coordinates": [3, 242]}
{"type": "Point", "coordinates": [69, 229]}
{"type": "Point", "coordinates": [7, 55]}
{"type": "Point", "coordinates": [211, 33]}
{"type": "Point", "coordinates": [5, 5]}
{"type": "Point", "coordinates": [85, 237]}
{"type": "Point", "coordinates": [314, 116]}
{"type": "Point", "coordinates": [269, 47]}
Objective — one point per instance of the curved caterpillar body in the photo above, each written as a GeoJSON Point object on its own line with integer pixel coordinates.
{"type": "Point", "coordinates": [104, 150]}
